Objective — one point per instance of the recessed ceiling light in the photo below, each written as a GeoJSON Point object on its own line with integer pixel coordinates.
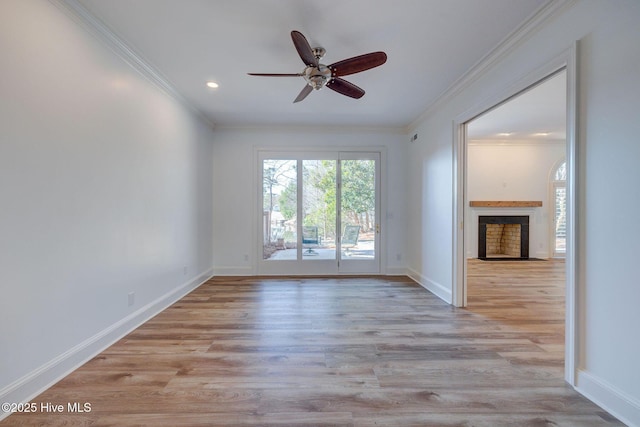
{"type": "Point", "coordinates": [542, 134]}
{"type": "Point", "coordinates": [212, 85]}
{"type": "Point", "coordinates": [505, 134]}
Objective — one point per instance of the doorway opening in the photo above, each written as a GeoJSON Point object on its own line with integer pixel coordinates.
{"type": "Point", "coordinates": [499, 160]}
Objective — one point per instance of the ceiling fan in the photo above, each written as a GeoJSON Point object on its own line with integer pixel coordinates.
{"type": "Point", "coordinates": [318, 75]}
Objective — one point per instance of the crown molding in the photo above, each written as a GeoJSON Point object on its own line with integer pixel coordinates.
{"type": "Point", "coordinates": [82, 16]}
{"type": "Point", "coordinates": [516, 142]}
{"type": "Point", "coordinates": [502, 49]}
{"type": "Point", "coordinates": [315, 129]}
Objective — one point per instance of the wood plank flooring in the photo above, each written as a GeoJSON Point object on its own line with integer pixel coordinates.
{"type": "Point", "coordinates": [375, 351]}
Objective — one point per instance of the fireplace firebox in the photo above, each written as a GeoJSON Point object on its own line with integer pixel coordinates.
{"type": "Point", "coordinates": [503, 237]}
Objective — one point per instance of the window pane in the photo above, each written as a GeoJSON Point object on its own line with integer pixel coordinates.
{"type": "Point", "coordinates": [280, 207]}
{"type": "Point", "coordinates": [561, 219]}
{"type": "Point", "coordinates": [561, 172]}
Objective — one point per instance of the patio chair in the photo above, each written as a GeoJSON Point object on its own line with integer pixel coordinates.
{"type": "Point", "coordinates": [350, 237]}
{"type": "Point", "coordinates": [310, 237]}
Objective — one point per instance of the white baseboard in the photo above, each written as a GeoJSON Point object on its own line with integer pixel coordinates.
{"type": "Point", "coordinates": [233, 271]}
{"type": "Point", "coordinates": [248, 271]}
{"type": "Point", "coordinates": [396, 271]}
{"type": "Point", "coordinates": [609, 398]}
{"type": "Point", "coordinates": [432, 286]}
{"type": "Point", "coordinates": [34, 383]}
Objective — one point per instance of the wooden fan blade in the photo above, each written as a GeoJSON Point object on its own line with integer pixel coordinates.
{"type": "Point", "coordinates": [358, 64]}
{"type": "Point", "coordinates": [304, 49]}
{"type": "Point", "coordinates": [275, 75]}
{"type": "Point", "coordinates": [344, 87]}
{"type": "Point", "coordinates": [303, 93]}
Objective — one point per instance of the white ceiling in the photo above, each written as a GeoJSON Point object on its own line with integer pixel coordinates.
{"type": "Point", "coordinates": [539, 113]}
{"type": "Point", "coordinates": [430, 44]}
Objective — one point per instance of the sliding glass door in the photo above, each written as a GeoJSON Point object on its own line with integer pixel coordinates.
{"type": "Point", "coordinates": [320, 213]}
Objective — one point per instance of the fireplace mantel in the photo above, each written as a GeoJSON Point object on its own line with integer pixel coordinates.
{"type": "Point", "coordinates": [505, 204]}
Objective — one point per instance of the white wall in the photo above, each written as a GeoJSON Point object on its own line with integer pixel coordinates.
{"type": "Point", "coordinates": [236, 188]}
{"type": "Point", "coordinates": [430, 207]}
{"type": "Point", "coordinates": [105, 188]}
{"type": "Point", "coordinates": [499, 170]}
{"type": "Point", "coordinates": [609, 101]}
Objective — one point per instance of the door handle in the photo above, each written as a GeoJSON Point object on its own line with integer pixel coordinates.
{"type": "Point", "coordinates": [377, 228]}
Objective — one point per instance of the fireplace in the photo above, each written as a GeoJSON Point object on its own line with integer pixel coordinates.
{"type": "Point", "coordinates": [503, 237]}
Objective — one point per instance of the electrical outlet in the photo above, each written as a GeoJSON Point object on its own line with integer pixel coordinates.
{"type": "Point", "coordinates": [185, 270]}
{"type": "Point", "coordinates": [131, 298]}
{"type": "Point", "coordinates": [246, 257]}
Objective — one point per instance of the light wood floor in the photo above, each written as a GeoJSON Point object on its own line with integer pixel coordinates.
{"type": "Point", "coordinates": [339, 352]}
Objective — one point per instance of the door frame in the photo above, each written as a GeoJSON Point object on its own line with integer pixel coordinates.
{"type": "Point", "coordinates": [261, 152]}
{"type": "Point", "coordinates": [567, 60]}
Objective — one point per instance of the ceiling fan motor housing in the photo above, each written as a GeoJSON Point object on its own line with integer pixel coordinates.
{"type": "Point", "coordinates": [318, 76]}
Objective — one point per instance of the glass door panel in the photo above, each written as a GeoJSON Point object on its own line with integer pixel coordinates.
{"type": "Point", "coordinates": [318, 209]}
{"type": "Point", "coordinates": [358, 209]}
{"type": "Point", "coordinates": [280, 209]}
{"type": "Point", "coordinates": [359, 212]}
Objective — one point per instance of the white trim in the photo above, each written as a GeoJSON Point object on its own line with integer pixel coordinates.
{"type": "Point", "coordinates": [383, 206]}
{"type": "Point", "coordinates": [82, 16]}
{"type": "Point", "coordinates": [34, 383]}
{"type": "Point", "coordinates": [297, 128]}
{"type": "Point", "coordinates": [320, 150]}
{"type": "Point", "coordinates": [459, 162]}
{"type": "Point", "coordinates": [256, 223]}
{"type": "Point", "coordinates": [616, 402]}
{"type": "Point", "coordinates": [514, 143]}
{"type": "Point", "coordinates": [574, 201]}
{"type": "Point", "coordinates": [397, 271]}
{"type": "Point", "coordinates": [438, 289]}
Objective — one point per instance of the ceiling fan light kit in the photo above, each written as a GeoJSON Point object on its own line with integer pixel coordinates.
{"type": "Point", "coordinates": [318, 75]}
